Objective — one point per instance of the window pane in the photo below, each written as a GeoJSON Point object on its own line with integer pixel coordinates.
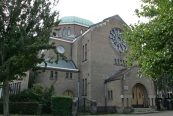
{"type": "Point", "coordinates": [69, 31]}
{"type": "Point", "coordinates": [70, 75]}
{"type": "Point", "coordinates": [81, 31]}
{"type": "Point", "coordinates": [118, 62]}
{"type": "Point", "coordinates": [64, 31]}
{"type": "Point", "coordinates": [111, 95]}
{"type": "Point", "coordinates": [51, 74]}
{"type": "Point", "coordinates": [67, 75]}
{"type": "Point", "coordinates": [60, 32]}
{"type": "Point", "coordinates": [56, 75]}
{"type": "Point", "coordinates": [115, 61]}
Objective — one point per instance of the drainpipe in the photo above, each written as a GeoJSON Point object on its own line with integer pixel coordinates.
{"type": "Point", "coordinates": [122, 91]}
{"type": "Point", "coordinates": [105, 89]}
{"type": "Point", "coordinates": [71, 47]}
{"type": "Point", "coordinates": [78, 86]}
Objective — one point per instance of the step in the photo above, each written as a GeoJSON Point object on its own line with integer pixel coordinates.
{"type": "Point", "coordinates": [143, 110]}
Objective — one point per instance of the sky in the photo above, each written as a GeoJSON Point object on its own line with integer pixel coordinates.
{"type": "Point", "coordinates": [97, 10]}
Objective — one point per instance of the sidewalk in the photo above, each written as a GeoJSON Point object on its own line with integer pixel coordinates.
{"type": "Point", "coordinates": [160, 113]}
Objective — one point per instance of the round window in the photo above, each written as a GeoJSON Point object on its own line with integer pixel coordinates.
{"type": "Point", "coordinates": [61, 49]}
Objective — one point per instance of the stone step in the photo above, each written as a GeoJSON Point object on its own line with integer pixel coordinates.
{"type": "Point", "coordinates": [143, 110]}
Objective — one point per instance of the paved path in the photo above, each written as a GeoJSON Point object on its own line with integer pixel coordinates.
{"type": "Point", "coordinates": [161, 113]}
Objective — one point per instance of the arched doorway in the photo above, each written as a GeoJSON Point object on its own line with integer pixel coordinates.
{"type": "Point", "coordinates": [139, 96]}
{"type": "Point", "coordinates": [69, 93]}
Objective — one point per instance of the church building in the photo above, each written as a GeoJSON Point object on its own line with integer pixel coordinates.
{"type": "Point", "coordinates": [95, 67]}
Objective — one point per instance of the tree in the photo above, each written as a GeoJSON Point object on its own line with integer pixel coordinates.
{"type": "Point", "coordinates": [25, 27]}
{"type": "Point", "coordinates": [151, 43]}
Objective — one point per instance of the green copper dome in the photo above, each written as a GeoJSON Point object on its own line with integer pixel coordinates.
{"type": "Point", "coordinates": [75, 20]}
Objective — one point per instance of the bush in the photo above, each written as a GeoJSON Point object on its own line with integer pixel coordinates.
{"type": "Point", "coordinates": [36, 94]}
{"type": "Point", "coordinates": [61, 105]}
{"type": "Point", "coordinates": [21, 107]}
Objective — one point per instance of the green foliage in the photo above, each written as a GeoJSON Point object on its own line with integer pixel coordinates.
{"type": "Point", "coordinates": [36, 93]}
{"type": "Point", "coordinates": [22, 107]}
{"type": "Point", "coordinates": [1, 108]}
{"type": "Point", "coordinates": [25, 27]}
{"type": "Point", "coordinates": [61, 105]}
{"type": "Point", "coordinates": [151, 43]}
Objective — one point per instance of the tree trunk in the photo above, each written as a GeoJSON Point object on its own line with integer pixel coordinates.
{"type": "Point", "coordinates": [6, 96]}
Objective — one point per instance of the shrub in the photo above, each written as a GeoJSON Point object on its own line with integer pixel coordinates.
{"type": "Point", "coordinates": [61, 105]}
{"type": "Point", "coordinates": [21, 107]}
{"type": "Point", "coordinates": [36, 94]}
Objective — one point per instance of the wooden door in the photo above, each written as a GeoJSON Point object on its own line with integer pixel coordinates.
{"type": "Point", "coordinates": [69, 93]}
{"type": "Point", "coordinates": [137, 96]}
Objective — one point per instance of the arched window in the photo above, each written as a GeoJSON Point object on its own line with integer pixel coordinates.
{"type": "Point", "coordinates": [60, 32]}
{"type": "Point", "coordinates": [68, 30]}
{"type": "Point", "coordinates": [64, 31]}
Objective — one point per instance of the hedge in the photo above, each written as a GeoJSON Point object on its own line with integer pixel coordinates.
{"type": "Point", "coordinates": [61, 105]}
{"type": "Point", "coordinates": [22, 108]}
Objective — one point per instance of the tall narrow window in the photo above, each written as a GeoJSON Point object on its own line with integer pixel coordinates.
{"type": "Point", "coordinates": [67, 75]}
{"type": "Point", "coordinates": [118, 61]}
{"type": "Point", "coordinates": [56, 75]}
{"type": "Point", "coordinates": [85, 52]}
{"type": "Point", "coordinates": [111, 94]}
{"type": "Point", "coordinates": [64, 31]}
{"type": "Point", "coordinates": [51, 74]}
{"type": "Point", "coordinates": [83, 55]}
{"type": "Point", "coordinates": [115, 61]}
{"type": "Point", "coordinates": [85, 86]}
{"type": "Point", "coordinates": [121, 63]}
{"type": "Point", "coordinates": [81, 31]}
{"type": "Point", "coordinates": [68, 31]}
{"type": "Point", "coordinates": [70, 75]}
{"type": "Point", "coordinates": [60, 32]}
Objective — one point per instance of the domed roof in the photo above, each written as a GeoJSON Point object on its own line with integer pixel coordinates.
{"type": "Point", "coordinates": [75, 20]}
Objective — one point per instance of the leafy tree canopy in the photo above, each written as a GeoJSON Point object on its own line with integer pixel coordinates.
{"type": "Point", "coordinates": [25, 27]}
{"type": "Point", "coordinates": [151, 43]}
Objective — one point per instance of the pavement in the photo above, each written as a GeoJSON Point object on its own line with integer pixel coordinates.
{"type": "Point", "coordinates": [160, 113]}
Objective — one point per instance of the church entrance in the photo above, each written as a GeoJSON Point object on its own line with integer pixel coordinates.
{"type": "Point", "coordinates": [139, 96]}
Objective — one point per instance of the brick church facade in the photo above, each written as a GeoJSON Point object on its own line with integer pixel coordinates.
{"type": "Point", "coordinates": [96, 66]}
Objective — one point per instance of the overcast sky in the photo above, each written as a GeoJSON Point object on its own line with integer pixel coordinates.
{"type": "Point", "coordinates": [97, 10]}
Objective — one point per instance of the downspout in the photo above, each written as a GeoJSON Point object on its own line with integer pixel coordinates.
{"type": "Point", "coordinates": [78, 84]}
{"type": "Point", "coordinates": [122, 90]}
{"type": "Point", "coordinates": [71, 47]}
{"type": "Point", "coordinates": [105, 91]}
{"type": "Point", "coordinates": [74, 29]}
